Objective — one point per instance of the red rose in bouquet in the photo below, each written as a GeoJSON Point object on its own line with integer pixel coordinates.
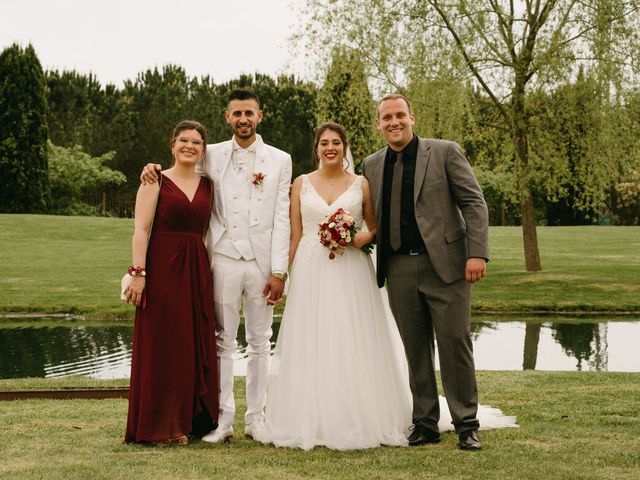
{"type": "Point", "coordinates": [337, 232]}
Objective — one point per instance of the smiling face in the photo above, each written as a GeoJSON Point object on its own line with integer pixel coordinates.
{"type": "Point", "coordinates": [187, 147]}
{"type": "Point", "coordinates": [395, 122]}
{"type": "Point", "coordinates": [244, 117]}
{"type": "Point", "coordinates": [330, 148]}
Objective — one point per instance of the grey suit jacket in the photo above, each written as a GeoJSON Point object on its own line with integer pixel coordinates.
{"type": "Point", "coordinates": [449, 206]}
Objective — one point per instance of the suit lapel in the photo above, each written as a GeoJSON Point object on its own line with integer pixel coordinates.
{"type": "Point", "coordinates": [377, 175]}
{"type": "Point", "coordinates": [422, 161]}
{"type": "Point", "coordinates": [261, 164]}
{"type": "Point", "coordinates": [225, 160]}
{"type": "Point", "coordinates": [220, 166]}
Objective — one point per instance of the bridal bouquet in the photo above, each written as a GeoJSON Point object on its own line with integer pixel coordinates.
{"type": "Point", "coordinates": [337, 232]}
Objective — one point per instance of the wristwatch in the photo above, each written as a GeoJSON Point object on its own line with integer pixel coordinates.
{"type": "Point", "coordinates": [281, 275]}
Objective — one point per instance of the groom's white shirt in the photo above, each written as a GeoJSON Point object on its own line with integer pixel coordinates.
{"type": "Point", "coordinates": [268, 204]}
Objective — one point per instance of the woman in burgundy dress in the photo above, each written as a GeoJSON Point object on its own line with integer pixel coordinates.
{"type": "Point", "coordinates": [174, 373]}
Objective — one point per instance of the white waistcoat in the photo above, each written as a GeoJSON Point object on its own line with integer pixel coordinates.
{"type": "Point", "coordinates": [235, 241]}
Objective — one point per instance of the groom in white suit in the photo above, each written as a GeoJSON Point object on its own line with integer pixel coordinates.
{"type": "Point", "coordinates": [249, 247]}
{"type": "Point", "coordinates": [248, 244]}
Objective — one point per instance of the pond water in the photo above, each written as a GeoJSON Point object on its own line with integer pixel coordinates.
{"type": "Point", "coordinates": [57, 348]}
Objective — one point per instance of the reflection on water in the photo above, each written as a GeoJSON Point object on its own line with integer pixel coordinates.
{"type": "Point", "coordinates": [61, 348]}
{"type": "Point", "coordinates": [559, 345]}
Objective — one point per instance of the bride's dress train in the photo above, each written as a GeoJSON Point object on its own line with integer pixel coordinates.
{"type": "Point", "coordinates": [339, 375]}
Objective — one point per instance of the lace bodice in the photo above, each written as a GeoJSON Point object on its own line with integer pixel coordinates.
{"type": "Point", "coordinates": [314, 209]}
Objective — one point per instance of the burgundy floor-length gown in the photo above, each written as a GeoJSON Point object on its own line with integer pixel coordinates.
{"type": "Point", "coordinates": [174, 372]}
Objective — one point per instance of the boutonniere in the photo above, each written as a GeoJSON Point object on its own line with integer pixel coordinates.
{"type": "Point", "coordinates": [258, 178]}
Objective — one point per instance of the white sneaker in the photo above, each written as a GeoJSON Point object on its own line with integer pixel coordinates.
{"type": "Point", "coordinates": [257, 431]}
{"type": "Point", "coordinates": [221, 434]}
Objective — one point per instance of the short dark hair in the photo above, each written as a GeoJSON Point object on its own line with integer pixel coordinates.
{"type": "Point", "coordinates": [242, 94]}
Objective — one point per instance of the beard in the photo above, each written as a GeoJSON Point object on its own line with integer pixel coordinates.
{"type": "Point", "coordinates": [249, 131]}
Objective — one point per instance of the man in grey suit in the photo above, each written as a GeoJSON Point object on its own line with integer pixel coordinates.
{"type": "Point", "coordinates": [432, 244]}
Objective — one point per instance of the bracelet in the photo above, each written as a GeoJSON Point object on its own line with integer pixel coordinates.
{"type": "Point", "coordinates": [136, 271]}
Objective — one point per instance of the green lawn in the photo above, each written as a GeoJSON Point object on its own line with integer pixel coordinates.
{"type": "Point", "coordinates": [588, 268]}
{"type": "Point", "coordinates": [573, 425]}
{"type": "Point", "coordinates": [64, 264]}
{"type": "Point", "coordinates": [60, 264]}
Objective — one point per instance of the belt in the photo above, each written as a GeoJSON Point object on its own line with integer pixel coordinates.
{"type": "Point", "coordinates": [412, 251]}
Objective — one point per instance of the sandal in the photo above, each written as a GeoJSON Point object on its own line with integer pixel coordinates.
{"type": "Point", "coordinates": [181, 440]}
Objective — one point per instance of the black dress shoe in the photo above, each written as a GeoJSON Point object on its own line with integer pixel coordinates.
{"type": "Point", "coordinates": [422, 435]}
{"type": "Point", "coordinates": [469, 440]}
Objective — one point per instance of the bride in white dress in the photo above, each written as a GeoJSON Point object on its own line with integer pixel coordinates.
{"type": "Point", "coordinates": [339, 377]}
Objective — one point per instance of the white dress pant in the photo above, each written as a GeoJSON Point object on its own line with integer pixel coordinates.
{"type": "Point", "coordinates": [238, 282]}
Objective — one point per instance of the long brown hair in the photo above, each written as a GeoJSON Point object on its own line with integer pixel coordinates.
{"type": "Point", "coordinates": [334, 127]}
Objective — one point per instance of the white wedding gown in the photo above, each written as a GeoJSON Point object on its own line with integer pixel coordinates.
{"type": "Point", "coordinates": [339, 376]}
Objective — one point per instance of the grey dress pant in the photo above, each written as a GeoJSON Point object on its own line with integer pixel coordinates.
{"type": "Point", "coordinates": [422, 305]}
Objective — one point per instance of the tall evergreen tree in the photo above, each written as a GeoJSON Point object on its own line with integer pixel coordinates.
{"type": "Point", "coordinates": [345, 98]}
{"type": "Point", "coordinates": [24, 180]}
{"type": "Point", "coordinates": [158, 100]}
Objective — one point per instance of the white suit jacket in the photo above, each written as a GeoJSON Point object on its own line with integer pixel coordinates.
{"type": "Point", "coordinates": [269, 227]}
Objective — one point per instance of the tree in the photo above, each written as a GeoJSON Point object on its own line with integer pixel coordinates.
{"type": "Point", "coordinates": [74, 173]}
{"type": "Point", "coordinates": [573, 135]}
{"type": "Point", "coordinates": [628, 193]}
{"type": "Point", "coordinates": [625, 196]}
{"type": "Point", "coordinates": [508, 49]}
{"type": "Point", "coordinates": [82, 112]}
{"type": "Point", "coordinates": [345, 98]}
{"type": "Point", "coordinates": [71, 99]}
{"type": "Point", "coordinates": [24, 183]}
{"type": "Point", "coordinates": [158, 101]}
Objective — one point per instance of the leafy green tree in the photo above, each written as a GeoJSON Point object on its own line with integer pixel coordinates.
{"type": "Point", "coordinates": [136, 122]}
{"type": "Point", "coordinates": [625, 196]}
{"type": "Point", "coordinates": [572, 137]}
{"type": "Point", "coordinates": [345, 98]}
{"type": "Point", "coordinates": [24, 184]}
{"type": "Point", "coordinates": [508, 49]}
{"type": "Point", "coordinates": [628, 196]}
{"type": "Point", "coordinates": [445, 107]}
{"type": "Point", "coordinates": [71, 97]}
{"type": "Point", "coordinates": [207, 104]}
{"type": "Point", "coordinates": [74, 173]}
{"type": "Point", "coordinates": [82, 112]}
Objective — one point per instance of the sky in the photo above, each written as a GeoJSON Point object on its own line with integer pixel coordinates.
{"type": "Point", "coordinates": [117, 39]}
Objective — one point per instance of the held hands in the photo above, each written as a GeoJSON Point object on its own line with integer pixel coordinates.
{"type": "Point", "coordinates": [273, 290]}
{"type": "Point", "coordinates": [135, 290]}
{"type": "Point", "coordinates": [150, 173]}
{"type": "Point", "coordinates": [475, 269]}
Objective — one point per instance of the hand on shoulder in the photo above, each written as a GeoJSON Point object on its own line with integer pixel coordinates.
{"type": "Point", "coordinates": [150, 173]}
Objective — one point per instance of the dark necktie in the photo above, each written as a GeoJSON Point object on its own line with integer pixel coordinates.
{"type": "Point", "coordinates": [395, 217]}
